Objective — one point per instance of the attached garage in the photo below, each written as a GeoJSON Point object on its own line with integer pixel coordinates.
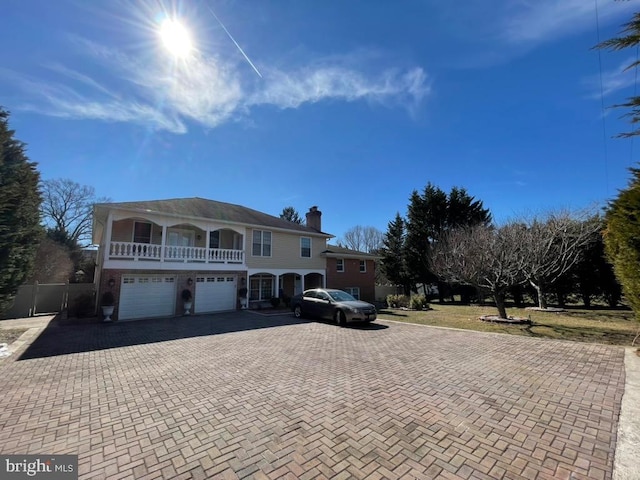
{"type": "Point", "coordinates": [215, 294]}
{"type": "Point", "coordinates": [145, 296]}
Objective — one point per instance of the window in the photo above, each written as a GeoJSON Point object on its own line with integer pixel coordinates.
{"type": "Point", "coordinates": [339, 264]}
{"type": "Point", "coordinates": [261, 287]}
{"type": "Point", "coordinates": [214, 239]}
{"type": "Point", "coordinates": [141, 232]}
{"type": "Point", "coordinates": [180, 238]}
{"type": "Point", "coordinates": [353, 291]}
{"type": "Point", "coordinates": [261, 243]}
{"type": "Point", "coordinates": [305, 247]}
{"type": "Point", "coordinates": [363, 266]}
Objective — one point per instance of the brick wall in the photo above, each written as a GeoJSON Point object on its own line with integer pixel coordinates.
{"type": "Point", "coordinates": [352, 277]}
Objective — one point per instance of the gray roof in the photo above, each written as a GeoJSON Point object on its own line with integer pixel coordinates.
{"type": "Point", "coordinates": [334, 251]}
{"type": "Point", "coordinates": [210, 209]}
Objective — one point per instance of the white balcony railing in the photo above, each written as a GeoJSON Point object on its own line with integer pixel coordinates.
{"type": "Point", "coordinates": [171, 253]}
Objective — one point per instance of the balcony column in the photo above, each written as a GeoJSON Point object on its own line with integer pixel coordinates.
{"type": "Point", "coordinates": [207, 244]}
{"type": "Point", "coordinates": [107, 250]}
{"type": "Point", "coordinates": [163, 247]}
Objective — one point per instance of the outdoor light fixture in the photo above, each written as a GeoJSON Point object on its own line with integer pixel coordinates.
{"type": "Point", "coordinates": [189, 282]}
{"type": "Point", "coordinates": [111, 283]}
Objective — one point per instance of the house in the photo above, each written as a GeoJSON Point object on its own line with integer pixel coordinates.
{"type": "Point", "coordinates": [351, 271]}
{"type": "Point", "coordinates": [150, 251]}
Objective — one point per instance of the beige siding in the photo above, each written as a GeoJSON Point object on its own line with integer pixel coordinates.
{"type": "Point", "coordinates": [285, 252]}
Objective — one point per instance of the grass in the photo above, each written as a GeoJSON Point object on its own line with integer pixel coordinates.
{"type": "Point", "coordinates": [599, 325]}
{"type": "Point", "coordinates": [10, 335]}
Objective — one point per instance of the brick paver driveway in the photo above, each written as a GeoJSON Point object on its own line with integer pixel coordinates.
{"type": "Point", "coordinates": [240, 395]}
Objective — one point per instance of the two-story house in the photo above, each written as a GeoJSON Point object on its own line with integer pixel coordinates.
{"type": "Point", "coordinates": [150, 251]}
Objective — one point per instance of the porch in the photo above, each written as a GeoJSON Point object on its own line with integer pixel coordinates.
{"type": "Point", "coordinates": [147, 241]}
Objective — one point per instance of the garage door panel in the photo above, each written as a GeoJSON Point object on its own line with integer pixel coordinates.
{"type": "Point", "coordinates": [215, 294]}
{"type": "Point", "coordinates": [147, 296]}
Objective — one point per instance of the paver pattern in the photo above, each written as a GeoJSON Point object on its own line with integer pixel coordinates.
{"type": "Point", "coordinates": [243, 396]}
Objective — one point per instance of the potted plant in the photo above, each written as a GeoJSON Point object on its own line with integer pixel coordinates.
{"type": "Point", "coordinates": [186, 299]}
{"type": "Point", "coordinates": [108, 304]}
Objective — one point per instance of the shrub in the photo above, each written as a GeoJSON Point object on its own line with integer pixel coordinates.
{"type": "Point", "coordinates": [186, 295]}
{"type": "Point", "coordinates": [398, 301]}
{"type": "Point", "coordinates": [275, 301]}
{"type": "Point", "coordinates": [419, 302]}
{"type": "Point", "coordinates": [82, 306]}
{"type": "Point", "coordinates": [108, 299]}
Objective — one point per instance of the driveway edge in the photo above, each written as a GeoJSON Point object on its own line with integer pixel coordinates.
{"type": "Point", "coordinates": [625, 466]}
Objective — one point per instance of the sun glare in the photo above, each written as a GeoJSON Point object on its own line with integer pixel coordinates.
{"type": "Point", "coordinates": [175, 38]}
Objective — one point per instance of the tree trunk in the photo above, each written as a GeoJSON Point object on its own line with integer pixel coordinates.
{"type": "Point", "coordinates": [500, 305]}
{"type": "Point", "coordinates": [561, 298]}
{"type": "Point", "coordinates": [542, 301]}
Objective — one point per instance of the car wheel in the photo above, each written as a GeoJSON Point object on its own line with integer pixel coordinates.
{"type": "Point", "coordinates": [340, 318]}
{"type": "Point", "coordinates": [297, 311]}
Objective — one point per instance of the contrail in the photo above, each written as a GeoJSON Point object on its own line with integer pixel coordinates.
{"type": "Point", "coordinates": [233, 40]}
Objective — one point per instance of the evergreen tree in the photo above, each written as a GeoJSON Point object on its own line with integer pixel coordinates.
{"type": "Point", "coordinates": [393, 263]}
{"type": "Point", "coordinates": [291, 214]}
{"type": "Point", "coordinates": [426, 218]}
{"type": "Point", "coordinates": [432, 214]}
{"type": "Point", "coordinates": [630, 38]}
{"type": "Point", "coordinates": [622, 240]}
{"type": "Point", "coordinates": [20, 229]}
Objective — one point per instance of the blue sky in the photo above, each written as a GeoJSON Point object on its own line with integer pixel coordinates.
{"type": "Point", "coordinates": [356, 103]}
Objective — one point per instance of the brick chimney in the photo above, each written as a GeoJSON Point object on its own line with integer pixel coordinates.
{"type": "Point", "coordinates": [314, 218]}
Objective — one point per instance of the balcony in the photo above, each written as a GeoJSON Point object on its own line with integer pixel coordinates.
{"type": "Point", "coordinates": [147, 252]}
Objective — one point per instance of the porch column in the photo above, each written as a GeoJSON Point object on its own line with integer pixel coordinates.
{"type": "Point", "coordinates": [107, 250]}
{"type": "Point", "coordinates": [302, 281]}
{"type": "Point", "coordinates": [324, 279]}
{"type": "Point", "coordinates": [163, 247]}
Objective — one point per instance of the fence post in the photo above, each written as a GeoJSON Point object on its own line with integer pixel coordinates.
{"type": "Point", "coordinates": [34, 299]}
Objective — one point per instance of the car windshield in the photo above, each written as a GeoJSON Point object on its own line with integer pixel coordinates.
{"type": "Point", "coordinates": [340, 296]}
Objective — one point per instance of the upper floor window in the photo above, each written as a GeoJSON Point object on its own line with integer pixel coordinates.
{"type": "Point", "coordinates": [214, 239]}
{"type": "Point", "coordinates": [261, 243]}
{"type": "Point", "coordinates": [305, 247]}
{"type": "Point", "coordinates": [179, 237]}
{"type": "Point", "coordinates": [339, 264]}
{"type": "Point", "coordinates": [363, 266]}
{"type": "Point", "coordinates": [141, 232]}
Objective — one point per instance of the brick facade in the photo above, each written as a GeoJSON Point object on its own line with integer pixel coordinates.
{"type": "Point", "coordinates": [352, 277]}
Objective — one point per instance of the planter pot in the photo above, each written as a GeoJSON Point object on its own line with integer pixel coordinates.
{"type": "Point", "coordinates": [107, 311]}
{"type": "Point", "coordinates": [187, 308]}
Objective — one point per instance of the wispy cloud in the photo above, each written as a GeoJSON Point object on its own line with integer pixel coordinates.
{"type": "Point", "coordinates": [204, 89]}
{"type": "Point", "coordinates": [536, 21]}
{"type": "Point", "coordinates": [612, 80]}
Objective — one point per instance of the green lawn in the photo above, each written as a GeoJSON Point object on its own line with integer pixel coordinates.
{"type": "Point", "coordinates": [610, 326]}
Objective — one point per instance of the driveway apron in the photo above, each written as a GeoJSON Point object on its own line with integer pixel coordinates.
{"type": "Point", "coordinates": [239, 395]}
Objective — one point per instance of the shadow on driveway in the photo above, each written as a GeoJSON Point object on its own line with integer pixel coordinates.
{"type": "Point", "coordinates": [59, 339]}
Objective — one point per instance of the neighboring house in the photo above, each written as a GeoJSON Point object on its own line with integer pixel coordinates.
{"type": "Point", "coordinates": [152, 250]}
{"type": "Point", "coordinates": [351, 271]}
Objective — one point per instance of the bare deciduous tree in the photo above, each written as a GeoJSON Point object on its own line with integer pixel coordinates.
{"type": "Point", "coordinates": [67, 208]}
{"type": "Point", "coordinates": [363, 239]}
{"type": "Point", "coordinates": [487, 258]}
{"type": "Point", "coordinates": [53, 263]}
{"type": "Point", "coordinates": [552, 245]}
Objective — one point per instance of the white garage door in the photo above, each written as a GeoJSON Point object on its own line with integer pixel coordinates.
{"type": "Point", "coordinates": [215, 294]}
{"type": "Point", "coordinates": [144, 296]}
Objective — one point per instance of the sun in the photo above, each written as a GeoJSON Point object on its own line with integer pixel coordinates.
{"type": "Point", "coordinates": [175, 38]}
